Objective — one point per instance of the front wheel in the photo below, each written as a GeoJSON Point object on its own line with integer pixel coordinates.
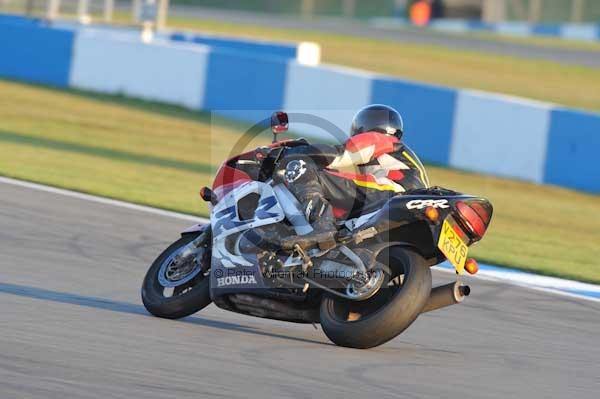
{"type": "Point", "coordinates": [177, 283]}
{"type": "Point", "coordinates": [374, 321]}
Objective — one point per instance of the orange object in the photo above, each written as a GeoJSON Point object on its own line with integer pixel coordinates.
{"type": "Point", "coordinates": [420, 13]}
{"type": "Point", "coordinates": [471, 266]}
{"type": "Point", "coordinates": [432, 213]}
{"type": "Point", "coordinates": [203, 192]}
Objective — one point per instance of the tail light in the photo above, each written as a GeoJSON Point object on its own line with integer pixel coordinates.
{"type": "Point", "coordinates": [475, 216]}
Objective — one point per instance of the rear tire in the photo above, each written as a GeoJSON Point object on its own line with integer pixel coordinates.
{"type": "Point", "coordinates": [394, 308]}
{"type": "Point", "coordinates": [189, 302]}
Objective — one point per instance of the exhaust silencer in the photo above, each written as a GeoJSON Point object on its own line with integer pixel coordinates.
{"type": "Point", "coordinates": [446, 295]}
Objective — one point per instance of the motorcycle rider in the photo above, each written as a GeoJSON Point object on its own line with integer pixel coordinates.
{"type": "Point", "coordinates": [384, 167]}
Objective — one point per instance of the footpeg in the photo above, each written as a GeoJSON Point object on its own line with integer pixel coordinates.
{"type": "Point", "coordinates": [364, 235]}
{"type": "Point", "coordinates": [306, 261]}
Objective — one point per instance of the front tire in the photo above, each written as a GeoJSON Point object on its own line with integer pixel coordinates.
{"type": "Point", "coordinates": [186, 299]}
{"type": "Point", "coordinates": [372, 322]}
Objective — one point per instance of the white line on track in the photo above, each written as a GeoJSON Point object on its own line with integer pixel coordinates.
{"type": "Point", "coordinates": [524, 280]}
{"type": "Point", "coordinates": [102, 200]}
{"type": "Point", "coordinates": [513, 277]}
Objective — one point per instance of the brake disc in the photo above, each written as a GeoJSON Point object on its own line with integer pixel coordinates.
{"type": "Point", "coordinates": [360, 290]}
{"type": "Point", "coordinates": [177, 270]}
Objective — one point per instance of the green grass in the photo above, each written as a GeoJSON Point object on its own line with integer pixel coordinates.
{"type": "Point", "coordinates": [143, 152]}
{"type": "Point", "coordinates": [541, 41]}
{"type": "Point", "coordinates": [568, 85]}
{"type": "Point", "coordinates": [160, 156]}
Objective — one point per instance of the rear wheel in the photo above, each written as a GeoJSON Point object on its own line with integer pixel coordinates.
{"type": "Point", "coordinates": [177, 283]}
{"type": "Point", "coordinates": [374, 321]}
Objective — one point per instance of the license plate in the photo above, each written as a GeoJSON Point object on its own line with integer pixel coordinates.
{"type": "Point", "coordinates": [452, 245]}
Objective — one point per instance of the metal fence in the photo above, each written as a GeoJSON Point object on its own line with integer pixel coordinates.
{"type": "Point", "coordinates": [153, 12]}
{"type": "Point", "coordinates": [83, 9]}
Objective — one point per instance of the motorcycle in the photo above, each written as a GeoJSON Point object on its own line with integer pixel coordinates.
{"type": "Point", "coordinates": [364, 291]}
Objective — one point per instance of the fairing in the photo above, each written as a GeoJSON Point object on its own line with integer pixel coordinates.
{"type": "Point", "coordinates": [402, 219]}
{"type": "Point", "coordinates": [229, 269]}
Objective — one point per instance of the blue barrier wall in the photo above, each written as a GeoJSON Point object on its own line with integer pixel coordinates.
{"type": "Point", "coordinates": [272, 49]}
{"type": "Point", "coordinates": [18, 19]}
{"type": "Point", "coordinates": [239, 86]}
{"type": "Point", "coordinates": [428, 113]}
{"type": "Point", "coordinates": [35, 54]}
{"type": "Point", "coordinates": [482, 132]}
{"type": "Point", "coordinates": [572, 158]}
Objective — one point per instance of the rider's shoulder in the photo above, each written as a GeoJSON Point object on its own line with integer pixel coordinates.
{"type": "Point", "coordinates": [368, 139]}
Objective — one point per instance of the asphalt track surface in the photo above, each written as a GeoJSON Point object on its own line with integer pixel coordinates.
{"type": "Point", "coordinates": [406, 35]}
{"type": "Point", "coordinates": [72, 326]}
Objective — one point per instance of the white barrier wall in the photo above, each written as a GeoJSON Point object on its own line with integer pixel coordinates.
{"type": "Point", "coordinates": [174, 73]}
{"type": "Point", "coordinates": [500, 135]}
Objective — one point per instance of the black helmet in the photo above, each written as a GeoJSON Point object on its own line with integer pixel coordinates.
{"type": "Point", "coordinates": [377, 118]}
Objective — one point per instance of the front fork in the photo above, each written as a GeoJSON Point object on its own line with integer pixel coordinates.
{"type": "Point", "coordinates": [199, 244]}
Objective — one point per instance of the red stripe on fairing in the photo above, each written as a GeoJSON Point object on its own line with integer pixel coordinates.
{"type": "Point", "coordinates": [384, 143]}
{"type": "Point", "coordinates": [227, 179]}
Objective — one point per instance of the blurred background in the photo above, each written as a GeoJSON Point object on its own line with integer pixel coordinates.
{"type": "Point", "coordinates": [484, 10]}
{"type": "Point", "coordinates": [142, 100]}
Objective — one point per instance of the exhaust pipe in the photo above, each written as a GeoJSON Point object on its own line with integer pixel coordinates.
{"type": "Point", "coordinates": [446, 295]}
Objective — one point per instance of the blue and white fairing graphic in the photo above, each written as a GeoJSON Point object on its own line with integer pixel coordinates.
{"type": "Point", "coordinates": [225, 221]}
